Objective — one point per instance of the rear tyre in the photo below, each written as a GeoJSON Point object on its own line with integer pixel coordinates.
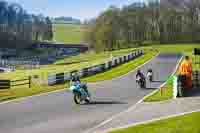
{"type": "Point", "coordinates": [143, 84]}
{"type": "Point", "coordinates": [77, 98]}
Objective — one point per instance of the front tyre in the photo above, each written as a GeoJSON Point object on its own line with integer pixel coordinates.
{"type": "Point", "coordinates": [77, 98]}
{"type": "Point", "coordinates": [87, 100]}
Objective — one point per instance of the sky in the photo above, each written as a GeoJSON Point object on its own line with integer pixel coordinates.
{"type": "Point", "coordinates": [80, 9]}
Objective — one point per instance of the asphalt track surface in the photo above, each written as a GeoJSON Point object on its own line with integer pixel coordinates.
{"type": "Point", "coordinates": [57, 113]}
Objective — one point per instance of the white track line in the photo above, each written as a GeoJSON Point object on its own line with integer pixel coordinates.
{"type": "Point", "coordinates": [166, 81]}
{"type": "Point", "coordinates": [132, 107]}
{"type": "Point", "coordinates": [150, 121]}
{"type": "Point", "coordinates": [145, 98]}
{"type": "Point", "coordinates": [47, 93]}
{"type": "Point", "coordinates": [135, 105]}
{"type": "Point", "coordinates": [28, 97]}
{"type": "Point", "coordinates": [94, 83]}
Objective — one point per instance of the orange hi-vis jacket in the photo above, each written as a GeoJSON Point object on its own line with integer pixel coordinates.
{"type": "Point", "coordinates": [186, 68]}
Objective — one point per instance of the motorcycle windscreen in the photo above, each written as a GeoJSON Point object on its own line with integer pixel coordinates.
{"type": "Point", "coordinates": [72, 88]}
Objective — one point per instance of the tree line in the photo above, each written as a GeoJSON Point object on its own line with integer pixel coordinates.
{"type": "Point", "coordinates": [166, 21]}
{"type": "Point", "coordinates": [19, 29]}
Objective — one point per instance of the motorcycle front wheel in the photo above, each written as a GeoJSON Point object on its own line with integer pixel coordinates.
{"type": "Point", "coordinates": [87, 101]}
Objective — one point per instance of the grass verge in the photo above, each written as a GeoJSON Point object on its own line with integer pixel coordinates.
{"type": "Point", "coordinates": [67, 33]}
{"type": "Point", "coordinates": [181, 124]}
{"type": "Point", "coordinates": [67, 64]}
{"type": "Point", "coordinates": [167, 90]}
{"type": "Point", "coordinates": [166, 94]}
{"type": "Point", "coordinates": [121, 70]}
{"type": "Point", "coordinates": [37, 88]}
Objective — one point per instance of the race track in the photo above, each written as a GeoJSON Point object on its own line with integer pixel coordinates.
{"type": "Point", "coordinates": [57, 113]}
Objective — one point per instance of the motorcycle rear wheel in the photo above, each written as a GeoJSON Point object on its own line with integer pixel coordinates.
{"type": "Point", "coordinates": [143, 85]}
{"type": "Point", "coordinates": [77, 98]}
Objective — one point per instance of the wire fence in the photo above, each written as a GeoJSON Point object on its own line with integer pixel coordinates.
{"type": "Point", "coordinates": [8, 84]}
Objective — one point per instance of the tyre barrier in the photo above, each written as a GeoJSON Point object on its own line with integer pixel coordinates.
{"type": "Point", "coordinates": [59, 78]}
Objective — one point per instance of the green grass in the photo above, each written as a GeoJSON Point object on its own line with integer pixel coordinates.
{"type": "Point", "coordinates": [182, 124]}
{"type": "Point", "coordinates": [168, 88]}
{"type": "Point", "coordinates": [66, 65]}
{"type": "Point", "coordinates": [37, 88]}
{"type": "Point", "coordinates": [123, 69]}
{"type": "Point", "coordinates": [86, 60]}
{"type": "Point", "coordinates": [166, 94]}
{"type": "Point", "coordinates": [181, 48]}
{"type": "Point", "coordinates": [24, 91]}
{"type": "Point", "coordinates": [93, 56]}
{"type": "Point", "coordinates": [67, 33]}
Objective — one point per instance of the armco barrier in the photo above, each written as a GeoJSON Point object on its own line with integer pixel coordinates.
{"type": "Point", "coordinates": [95, 69]}
{"type": "Point", "coordinates": [124, 59]}
{"type": "Point", "coordinates": [52, 79]}
{"type": "Point", "coordinates": [109, 64]}
{"type": "Point", "coordinates": [113, 64]}
{"type": "Point", "coordinates": [83, 72]}
{"type": "Point", "coordinates": [62, 77]}
{"type": "Point", "coordinates": [121, 60]}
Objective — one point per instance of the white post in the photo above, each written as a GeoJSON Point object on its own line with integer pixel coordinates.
{"type": "Point", "coordinates": [175, 89]}
{"type": "Point", "coordinates": [66, 76]}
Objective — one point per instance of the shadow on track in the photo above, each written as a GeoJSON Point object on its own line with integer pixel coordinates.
{"type": "Point", "coordinates": [148, 88]}
{"type": "Point", "coordinates": [104, 103]}
{"type": "Point", "coordinates": [193, 93]}
{"type": "Point", "coordinates": [157, 81]}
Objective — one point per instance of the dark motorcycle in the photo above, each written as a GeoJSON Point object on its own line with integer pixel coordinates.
{"type": "Point", "coordinates": [141, 81]}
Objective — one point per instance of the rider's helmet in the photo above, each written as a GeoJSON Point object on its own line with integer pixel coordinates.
{"type": "Point", "coordinates": [138, 71]}
{"type": "Point", "coordinates": [74, 73]}
{"type": "Point", "coordinates": [150, 70]}
{"type": "Point", "coordinates": [75, 76]}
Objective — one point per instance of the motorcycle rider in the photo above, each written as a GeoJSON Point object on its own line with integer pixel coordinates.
{"type": "Point", "coordinates": [185, 71]}
{"type": "Point", "coordinates": [150, 73]}
{"type": "Point", "coordinates": [139, 75]}
{"type": "Point", "coordinates": [75, 80]}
